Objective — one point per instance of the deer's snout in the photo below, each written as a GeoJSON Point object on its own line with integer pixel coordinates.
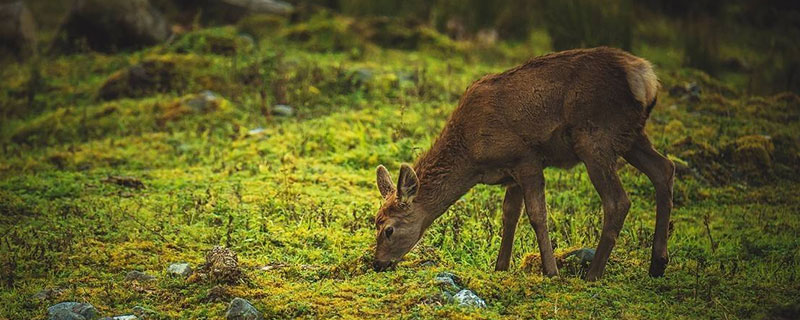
{"type": "Point", "coordinates": [380, 266]}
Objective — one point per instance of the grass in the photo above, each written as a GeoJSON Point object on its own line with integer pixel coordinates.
{"type": "Point", "coordinates": [299, 195]}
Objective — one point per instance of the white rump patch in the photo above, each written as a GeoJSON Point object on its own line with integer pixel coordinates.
{"type": "Point", "coordinates": [642, 80]}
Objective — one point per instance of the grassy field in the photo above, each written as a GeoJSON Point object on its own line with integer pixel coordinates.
{"type": "Point", "coordinates": [295, 195]}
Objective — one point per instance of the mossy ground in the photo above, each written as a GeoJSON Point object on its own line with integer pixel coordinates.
{"type": "Point", "coordinates": [298, 197]}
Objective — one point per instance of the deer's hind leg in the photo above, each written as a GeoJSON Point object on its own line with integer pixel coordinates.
{"type": "Point", "coordinates": [601, 165]}
{"type": "Point", "coordinates": [512, 208]}
{"type": "Point", "coordinates": [661, 171]}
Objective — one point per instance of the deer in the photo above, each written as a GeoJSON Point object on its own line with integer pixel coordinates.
{"type": "Point", "coordinates": [556, 110]}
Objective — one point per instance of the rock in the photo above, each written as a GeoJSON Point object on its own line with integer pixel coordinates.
{"type": "Point", "coordinates": [66, 315]}
{"type": "Point", "coordinates": [180, 269]}
{"type": "Point", "coordinates": [241, 309]}
{"type": "Point", "coordinates": [138, 276]}
{"type": "Point", "coordinates": [222, 266]}
{"type": "Point", "coordinates": [144, 313]}
{"type": "Point", "coordinates": [469, 299]}
{"type": "Point", "coordinates": [584, 255]}
{"type": "Point", "coordinates": [111, 25]}
{"type": "Point", "coordinates": [47, 294]}
{"type": "Point", "coordinates": [72, 310]}
{"type": "Point", "coordinates": [255, 132]}
{"type": "Point", "coordinates": [447, 282]}
{"type": "Point", "coordinates": [282, 110]}
{"type": "Point", "coordinates": [204, 101]}
{"type": "Point", "coordinates": [17, 30]}
{"type": "Point", "coordinates": [575, 262]}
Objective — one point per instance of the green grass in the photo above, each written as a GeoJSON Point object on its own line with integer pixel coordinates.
{"type": "Point", "coordinates": [302, 195]}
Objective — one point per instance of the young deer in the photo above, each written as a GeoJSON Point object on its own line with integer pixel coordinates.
{"type": "Point", "coordinates": [586, 105]}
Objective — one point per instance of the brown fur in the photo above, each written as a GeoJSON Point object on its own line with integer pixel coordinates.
{"type": "Point", "coordinates": [585, 105]}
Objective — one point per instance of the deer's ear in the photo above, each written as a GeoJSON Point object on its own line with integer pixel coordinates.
{"type": "Point", "coordinates": [407, 184]}
{"type": "Point", "coordinates": [384, 182]}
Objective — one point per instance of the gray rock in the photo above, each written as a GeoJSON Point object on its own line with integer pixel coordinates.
{"type": "Point", "coordinates": [110, 25]}
{"type": "Point", "coordinates": [17, 30]}
{"type": "Point", "coordinates": [66, 315]}
{"type": "Point", "coordinates": [241, 309]}
{"type": "Point", "coordinates": [204, 101]}
{"type": "Point", "coordinates": [584, 255]}
{"type": "Point", "coordinates": [138, 276]}
{"type": "Point", "coordinates": [469, 299]}
{"type": "Point", "coordinates": [255, 132]}
{"type": "Point", "coordinates": [180, 269]}
{"type": "Point", "coordinates": [72, 310]}
{"type": "Point", "coordinates": [282, 110]}
{"type": "Point", "coordinates": [446, 281]}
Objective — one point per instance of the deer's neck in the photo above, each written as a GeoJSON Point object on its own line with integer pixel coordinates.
{"type": "Point", "coordinates": [445, 175]}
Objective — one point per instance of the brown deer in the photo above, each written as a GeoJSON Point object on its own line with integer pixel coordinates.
{"type": "Point", "coordinates": [585, 105]}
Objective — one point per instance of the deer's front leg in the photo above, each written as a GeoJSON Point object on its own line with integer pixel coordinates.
{"type": "Point", "coordinates": [512, 207]}
{"type": "Point", "coordinates": [531, 179]}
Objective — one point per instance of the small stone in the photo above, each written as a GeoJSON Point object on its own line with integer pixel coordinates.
{"type": "Point", "coordinates": [47, 294]}
{"type": "Point", "coordinates": [256, 131]}
{"type": "Point", "coordinates": [585, 255]}
{"type": "Point", "coordinates": [241, 309]}
{"type": "Point", "coordinates": [63, 310]}
{"type": "Point", "coordinates": [180, 269]}
{"type": "Point", "coordinates": [469, 299]}
{"type": "Point", "coordinates": [428, 263]}
{"type": "Point", "coordinates": [204, 101]}
{"type": "Point", "coordinates": [138, 276]}
{"type": "Point", "coordinates": [446, 281]}
{"type": "Point", "coordinates": [282, 110]}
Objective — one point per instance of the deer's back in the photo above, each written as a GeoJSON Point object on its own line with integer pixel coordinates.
{"type": "Point", "coordinates": [556, 103]}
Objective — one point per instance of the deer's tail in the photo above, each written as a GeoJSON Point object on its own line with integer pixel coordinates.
{"type": "Point", "coordinates": [643, 82]}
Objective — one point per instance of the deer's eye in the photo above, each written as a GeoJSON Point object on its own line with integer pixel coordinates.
{"type": "Point", "coordinates": [388, 232]}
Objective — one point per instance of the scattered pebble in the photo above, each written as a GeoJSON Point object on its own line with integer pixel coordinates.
{"type": "Point", "coordinates": [204, 101]}
{"type": "Point", "coordinates": [584, 254]}
{"type": "Point", "coordinates": [72, 311]}
{"type": "Point", "coordinates": [138, 276]}
{"type": "Point", "coordinates": [469, 299]}
{"type": "Point", "coordinates": [47, 294]}
{"type": "Point", "coordinates": [256, 131]}
{"type": "Point", "coordinates": [282, 110]}
{"type": "Point", "coordinates": [446, 281]}
{"type": "Point", "coordinates": [241, 309]}
{"type": "Point", "coordinates": [180, 269]}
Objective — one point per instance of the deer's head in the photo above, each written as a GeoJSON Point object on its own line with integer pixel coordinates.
{"type": "Point", "coordinates": [399, 222]}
